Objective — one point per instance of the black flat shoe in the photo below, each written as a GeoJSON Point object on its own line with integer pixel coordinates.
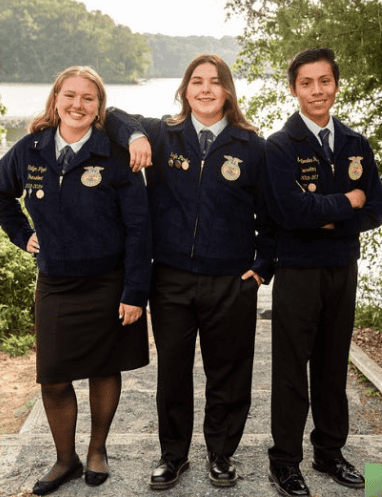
{"type": "Point", "coordinates": [96, 478]}
{"type": "Point", "coordinates": [341, 471]}
{"type": "Point", "coordinates": [222, 470]}
{"type": "Point", "coordinates": [288, 481]}
{"type": "Point", "coordinates": [46, 487]}
{"type": "Point", "coordinates": [167, 473]}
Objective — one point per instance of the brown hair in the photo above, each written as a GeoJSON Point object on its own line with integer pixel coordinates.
{"type": "Point", "coordinates": [50, 119]}
{"type": "Point", "coordinates": [231, 107]}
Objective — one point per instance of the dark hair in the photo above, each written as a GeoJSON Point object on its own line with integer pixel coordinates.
{"type": "Point", "coordinates": [231, 107]}
{"type": "Point", "coordinates": [307, 57]}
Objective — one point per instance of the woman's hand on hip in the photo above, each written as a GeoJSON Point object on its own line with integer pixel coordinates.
{"type": "Point", "coordinates": [33, 247]}
{"type": "Point", "coordinates": [129, 313]}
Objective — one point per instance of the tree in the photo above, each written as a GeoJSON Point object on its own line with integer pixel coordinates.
{"type": "Point", "coordinates": [52, 35]}
{"type": "Point", "coordinates": [278, 29]}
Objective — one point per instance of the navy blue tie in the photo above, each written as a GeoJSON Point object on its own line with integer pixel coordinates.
{"type": "Point", "coordinates": [206, 139]}
{"type": "Point", "coordinates": [65, 158]}
{"type": "Point", "coordinates": [324, 135]}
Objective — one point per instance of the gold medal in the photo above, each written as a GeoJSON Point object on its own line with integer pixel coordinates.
{"type": "Point", "coordinates": [312, 187]}
{"type": "Point", "coordinates": [355, 168]}
{"type": "Point", "coordinates": [231, 169]}
{"type": "Point", "coordinates": [185, 165]}
{"type": "Point", "coordinates": [40, 193]}
{"type": "Point", "coordinates": [92, 177]}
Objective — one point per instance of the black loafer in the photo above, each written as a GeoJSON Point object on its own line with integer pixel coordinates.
{"type": "Point", "coordinates": [96, 478]}
{"type": "Point", "coordinates": [341, 471]}
{"type": "Point", "coordinates": [46, 487]}
{"type": "Point", "coordinates": [167, 473]}
{"type": "Point", "coordinates": [288, 481]}
{"type": "Point", "coordinates": [222, 470]}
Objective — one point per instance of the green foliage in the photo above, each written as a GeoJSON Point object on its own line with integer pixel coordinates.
{"type": "Point", "coordinates": [17, 283]}
{"type": "Point", "coordinates": [18, 345]}
{"type": "Point", "coordinates": [278, 29]}
{"type": "Point", "coordinates": [3, 110]}
{"type": "Point", "coordinates": [368, 316]}
{"type": "Point", "coordinates": [40, 38]}
{"type": "Point", "coordinates": [369, 298]}
{"type": "Point", "coordinates": [172, 54]}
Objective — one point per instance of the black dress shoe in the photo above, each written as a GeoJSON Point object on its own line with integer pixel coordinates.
{"type": "Point", "coordinates": [222, 471]}
{"type": "Point", "coordinates": [167, 473]}
{"type": "Point", "coordinates": [95, 478]}
{"type": "Point", "coordinates": [46, 487]}
{"type": "Point", "coordinates": [341, 471]}
{"type": "Point", "coordinates": [288, 481]}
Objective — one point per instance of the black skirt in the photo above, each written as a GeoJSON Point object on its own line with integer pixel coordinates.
{"type": "Point", "coordinates": [79, 333]}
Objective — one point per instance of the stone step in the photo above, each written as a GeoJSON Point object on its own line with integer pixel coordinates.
{"type": "Point", "coordinates": [132, 458]}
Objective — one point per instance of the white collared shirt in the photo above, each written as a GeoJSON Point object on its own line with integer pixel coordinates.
{"type": "Point", "coordinates": [315, 129]}
{"type": "Point", "coordinates": [215, 128]}
{"type": "Point", "coordinates": [76, 147]}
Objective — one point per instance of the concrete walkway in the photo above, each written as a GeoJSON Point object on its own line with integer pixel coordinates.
{"type": "Point", "coordinates": [133, 446]}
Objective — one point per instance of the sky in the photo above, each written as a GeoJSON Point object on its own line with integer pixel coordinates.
{"type": "Point", "coordinates": [170, 17]}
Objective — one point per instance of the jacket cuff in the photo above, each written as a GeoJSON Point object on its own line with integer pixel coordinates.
{"type": "Point", "coordinates": [138, 298]}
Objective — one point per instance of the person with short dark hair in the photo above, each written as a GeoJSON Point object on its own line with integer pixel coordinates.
{"type": "Point", "coordinates": [92, 240]}
{"type": "Point", "coordinates": [209, 262]}
{"type": "Point", "coordinates": [324, 189]}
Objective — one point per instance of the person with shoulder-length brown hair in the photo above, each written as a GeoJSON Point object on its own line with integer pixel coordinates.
{"type": "Point", "coordinates": [210, 257]}
{"type": "Point", "coordinates": [92, 241]}
{"type": "Point", "coordinates": [231, 107]}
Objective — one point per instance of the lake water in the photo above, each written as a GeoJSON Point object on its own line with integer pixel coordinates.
{"type": "Point", "coordinates": [152, 98]}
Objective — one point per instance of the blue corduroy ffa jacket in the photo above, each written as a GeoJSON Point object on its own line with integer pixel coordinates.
{"type": "Point", "coordinates": [93, 221]}
{"type": "Point", "coordinates": [208, 216]}
{"type": "Point", "coordinates": [304, 194]}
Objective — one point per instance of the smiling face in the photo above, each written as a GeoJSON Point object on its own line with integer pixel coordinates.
{"type": "Point", "coordinates": [77, 105]}
{"type": "Point", "coordinates": [205, 94]}
{"type": "Point", "coordinates": [316, 91]}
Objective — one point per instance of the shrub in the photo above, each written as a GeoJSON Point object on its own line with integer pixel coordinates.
{"type": "Point", "coordinates": [18, 271]}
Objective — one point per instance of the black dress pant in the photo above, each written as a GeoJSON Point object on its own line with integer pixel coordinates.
{"type": "Point", "coordinates": [223, 309]}
{"type": "Point", "coordinates": [312, 322]}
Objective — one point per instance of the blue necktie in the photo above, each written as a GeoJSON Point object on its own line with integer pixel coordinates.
{"type": "Point", "coordinates": [206, 138]}
{"type": "Point", "coordinates": [65, 158]}
{"type": "Point", "coordinates": [324, 135]}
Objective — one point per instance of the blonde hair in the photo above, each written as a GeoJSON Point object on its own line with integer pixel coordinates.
{"type": "Point", "coordinates": [231, 107]}
{"type": "Point", "coordinates": [50, 119]}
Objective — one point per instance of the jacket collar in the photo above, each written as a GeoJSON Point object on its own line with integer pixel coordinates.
{"type": "Point", "coordinates": [98, 144]}
{"type": "Point", "coordinates": [298, 131]}
{"type": "Point", "coordinates": [229, 132]}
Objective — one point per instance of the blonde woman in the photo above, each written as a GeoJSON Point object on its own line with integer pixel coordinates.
{"type": "Point", "coordinates": [92, 240]}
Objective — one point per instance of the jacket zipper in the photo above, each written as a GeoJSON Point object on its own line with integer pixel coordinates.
{"type": "Point", "coordinates": [197, 215]}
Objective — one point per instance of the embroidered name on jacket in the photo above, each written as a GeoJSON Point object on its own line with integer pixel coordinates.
{"type": "Point", "coordinates": [34, 181]}
{"type": "Point", "coordinates": [308, 173]}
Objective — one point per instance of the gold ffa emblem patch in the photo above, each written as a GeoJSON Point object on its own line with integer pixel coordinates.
{"type": "Point", "coordinates": [92, 176]}
{"type": "Point", "coordinates": [355, 168]}
{"type": "Point", "coordinates": [231, 169]}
